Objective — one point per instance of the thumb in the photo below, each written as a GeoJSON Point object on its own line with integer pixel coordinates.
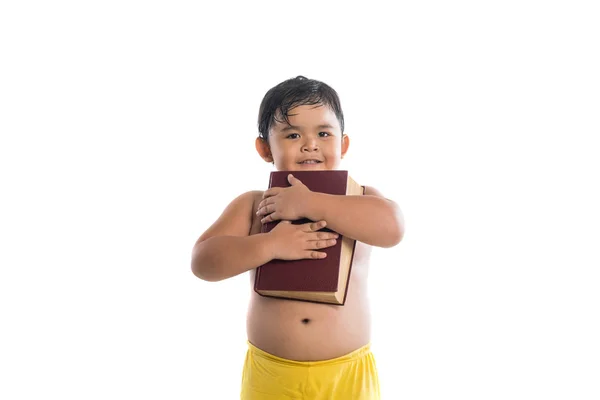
{"type": "Point", "coordinates": [293, 180]}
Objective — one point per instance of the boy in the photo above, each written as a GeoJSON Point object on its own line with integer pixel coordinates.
{"type": "Point", "coordinates": [301, 350]}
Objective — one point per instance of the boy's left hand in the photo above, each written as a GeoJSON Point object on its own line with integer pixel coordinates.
{"type": "Point", "coordinates": [287, 203]}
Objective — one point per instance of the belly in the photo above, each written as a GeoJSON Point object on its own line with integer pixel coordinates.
{"type": "Point", "coordinates": [306, 331]}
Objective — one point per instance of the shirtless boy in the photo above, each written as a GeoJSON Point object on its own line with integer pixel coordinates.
{"type": "Point", "coordinates": [302, 350]}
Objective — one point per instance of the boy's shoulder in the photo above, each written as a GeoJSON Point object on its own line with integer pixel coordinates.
{"type": "Point", "coordinates": [370, 190]}
{"type": "Point", "coordinates": [247, 200]}
{"type": "Point", "coordinates": [253, 195]}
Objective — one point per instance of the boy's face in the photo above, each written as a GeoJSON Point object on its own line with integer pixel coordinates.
{"type": "Point", "coordinates": [312, 141]}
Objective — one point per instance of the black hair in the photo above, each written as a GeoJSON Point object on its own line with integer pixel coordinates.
{"type": "Point", "coordinates": [298, 91]}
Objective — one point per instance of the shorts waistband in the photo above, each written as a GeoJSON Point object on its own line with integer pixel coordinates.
{"type": "Point", "coordinates": [354, 355]}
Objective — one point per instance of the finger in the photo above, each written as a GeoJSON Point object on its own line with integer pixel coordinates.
{"type": "Point", "coordinates": [293, 180]}
{"type": "Point", "coordinates": [314, 254]}
{"type": "Point", "coordinates": [266, 210]}
{"type": "Point", "coordinates": [271, 217]}
{"type": "Point", "coordinates": [271, 192]}
{"type": "Point", "coordinates": [315, 226]}
{"type": "Point", "coordinates": [324, 235]}
{"type": "Point", "coordinates": [267, 201]}
{"type": "Point", "coordinates": [321, 244]}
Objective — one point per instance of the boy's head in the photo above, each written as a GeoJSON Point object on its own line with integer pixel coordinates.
{"type": "Point", "coordinates": [301, 126]}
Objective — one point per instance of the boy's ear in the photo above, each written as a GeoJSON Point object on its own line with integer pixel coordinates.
{"type": "Point", "coordinates": [345, 144]}
{"type": "Point", "coordinates": [263, 149]}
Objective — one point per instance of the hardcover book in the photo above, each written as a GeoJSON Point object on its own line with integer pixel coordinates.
{"type": "Point", "coordinates": [323, 280]}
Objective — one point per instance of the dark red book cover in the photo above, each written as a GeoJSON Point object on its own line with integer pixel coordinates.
{"type": "Point", "coordinates": [306, 274]}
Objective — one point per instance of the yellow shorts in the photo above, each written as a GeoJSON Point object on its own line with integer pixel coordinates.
{"type": "Point", "coordinates": [349, 377]}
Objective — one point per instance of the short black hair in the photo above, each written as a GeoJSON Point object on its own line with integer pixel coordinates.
{"type": "Point", "coordinates": [294, 92]}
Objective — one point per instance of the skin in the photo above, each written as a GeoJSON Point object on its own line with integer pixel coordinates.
{"type": "Point", "coordinates": [233, 245]}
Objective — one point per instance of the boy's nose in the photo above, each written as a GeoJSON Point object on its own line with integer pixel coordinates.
{"type": "Point", "coordinates": [310, 149]}
{"type": "Point", "coordinates": [310, 145]}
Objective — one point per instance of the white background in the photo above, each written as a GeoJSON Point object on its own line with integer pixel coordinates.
{"type": "Point", "coordinates": [120, 119]}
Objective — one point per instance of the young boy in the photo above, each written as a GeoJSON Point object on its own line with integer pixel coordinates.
{"type": "Point", "coordinates": [302, 350]}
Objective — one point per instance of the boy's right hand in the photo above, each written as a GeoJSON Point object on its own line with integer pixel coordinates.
{"type": "Point", "coordinates": [295, 242]}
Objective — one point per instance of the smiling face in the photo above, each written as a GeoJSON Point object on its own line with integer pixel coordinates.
{"type": "Point", "coordinates": [312, 141]}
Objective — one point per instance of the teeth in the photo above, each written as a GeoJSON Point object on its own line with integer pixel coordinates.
{"type": "Point", "coordinates": [309, 162]}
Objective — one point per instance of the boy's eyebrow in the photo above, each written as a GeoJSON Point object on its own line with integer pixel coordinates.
{"type": "Point", "coordinates": [296, 128]}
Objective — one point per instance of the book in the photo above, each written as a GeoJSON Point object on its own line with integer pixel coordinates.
{"type": "Point", "coordinates": [323, 280]}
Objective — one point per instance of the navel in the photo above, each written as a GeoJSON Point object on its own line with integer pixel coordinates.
{"type": "Point", "coordinates": [305, 321]}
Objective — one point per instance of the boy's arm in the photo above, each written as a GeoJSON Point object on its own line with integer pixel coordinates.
{"type": "Point", "coordinates": [370, 218]}
{"type": "Point", "coordinates": [226, 249]}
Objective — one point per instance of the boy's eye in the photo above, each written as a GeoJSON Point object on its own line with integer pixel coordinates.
{"type": "Point", "coordinates": [324, 134]}
{"type": "Point", "coordinates": [293, 136]}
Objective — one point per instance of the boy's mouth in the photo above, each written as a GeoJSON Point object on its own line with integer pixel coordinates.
{"type": "Point", "coordinates": [310, 162]}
